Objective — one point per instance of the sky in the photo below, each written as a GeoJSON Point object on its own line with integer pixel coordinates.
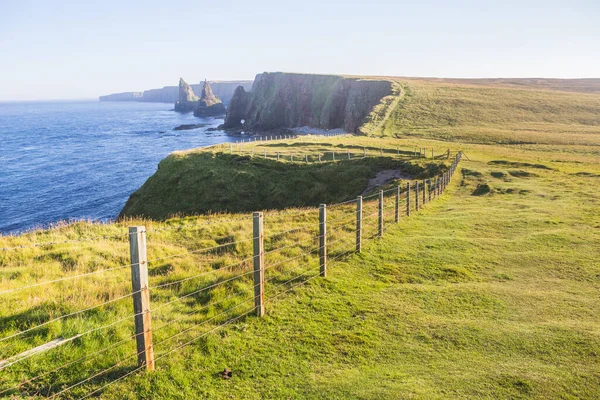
{"type": "Point", "coordinates": [83, 49]}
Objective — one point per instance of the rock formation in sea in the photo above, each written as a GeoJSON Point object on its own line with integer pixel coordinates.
{"type": "Point", "coordinates": [187, 100]}
{"type": "Point", "coordinates": [209, 104]}
{"type": "Point", "coordinates": [170, 94]}
{"type": "Point", "coordinates": [285, 100]}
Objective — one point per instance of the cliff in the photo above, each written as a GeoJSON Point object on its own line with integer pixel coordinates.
{"type": "Point", "coordinates": [209, 104]}
{"type": "Point", "coordinates": [285, 100]}
{"type": "Point", "coordinates": [170, 94]}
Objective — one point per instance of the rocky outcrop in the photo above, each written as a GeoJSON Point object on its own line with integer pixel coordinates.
{"type": "Point", "coordinates": [187, 100]}
{"type": "Point", "coordinates": [209, 104]}
{"type": "Point", "coordinates": [170, 94]}
{"type": "Point", "coordinates": [284, 100]}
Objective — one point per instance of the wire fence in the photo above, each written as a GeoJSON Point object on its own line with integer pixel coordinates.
{"type": "Point", "coordinates": [51, 347]}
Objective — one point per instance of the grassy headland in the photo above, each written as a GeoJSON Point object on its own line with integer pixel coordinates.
{"type": "Point", "coordinates": [491, 292]}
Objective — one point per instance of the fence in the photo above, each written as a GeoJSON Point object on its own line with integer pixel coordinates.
{"type": "Point", "coordinates": [246, 276]}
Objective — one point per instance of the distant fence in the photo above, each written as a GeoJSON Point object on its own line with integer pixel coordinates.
{"type": "Point", "coordinates": [328, 233]}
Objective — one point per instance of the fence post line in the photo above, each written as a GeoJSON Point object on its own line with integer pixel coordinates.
{"type": "Point", "coordinates": [141, 297]}
{"type": "Point", "coordinates": [397, 209]}
{"type": "Point", "coordinates": [259, 264]}
{"type": "Point", "coordinates": [408, 199]}
{"type": "Point", "coordinates": [359, 213]}
{"type": "Point", "coordinates": [417, 196]}
{"type": "Point", "coordinates": [323, 239]}
{"type": "Point", "coordinates": [380, 213]}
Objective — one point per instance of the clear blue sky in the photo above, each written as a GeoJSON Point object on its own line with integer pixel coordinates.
{"type": "Point", "coordinates": [82, 49]}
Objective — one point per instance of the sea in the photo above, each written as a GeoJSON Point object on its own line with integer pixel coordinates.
{"type": "Point", "coordinates": [80, 160]}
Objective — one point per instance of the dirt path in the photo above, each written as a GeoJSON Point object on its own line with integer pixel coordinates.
{"type": "Point", "coordinates": [384, 177]}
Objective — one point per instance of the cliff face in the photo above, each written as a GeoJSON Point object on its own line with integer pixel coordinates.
{"type": "Point", "coordinates": [170, 94]}
{"type": "Point", "coordinates": [284, 100]}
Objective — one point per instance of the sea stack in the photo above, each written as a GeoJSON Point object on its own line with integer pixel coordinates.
{"type": "Point", "coordinates": [188, 100]}
{"type": "Point", "coordinates": [209, 104]}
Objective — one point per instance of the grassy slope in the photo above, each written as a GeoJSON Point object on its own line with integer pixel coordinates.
{"type": "Point", "coordinates": [495, 114]}
{"type": "Point", "coordinates": [203, 180]}
{"type": "Point", "coordinates": [490, 296]}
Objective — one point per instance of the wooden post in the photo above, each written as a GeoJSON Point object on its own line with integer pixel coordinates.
{"type": "Point", "coordinates": [429, 186]}
{"type": "Point", "coordinates": [333, 152]}
{"type": "Point", "coordinates": [259, 264]}
{"type": "Point", "coordinates": [323, 239]}
{"type": "Point", "coordinates": [306, 157]}
{"type": "Point", "coordinates": [292, 158]}
{"type": "Point", "coordinates": [265, 153]}
{"type": "Point", "coordinates": [277, 156]}
{"type": "Point", "coordinates": [380, 213]}
{"type": "Point", "coordinates": [348, 154]}
{"type": "Point", "coordinates": [141, 297]}
{"type": "Point", "coordinates": [432, 152]}
{"type": "Point", "coordinates": [417, 196]}
{"type": "Point", "coordinates": [408, 199]}
{"type": "Point", "coordinates": [397, 209]}
{"type": "Point", "coordinates": [424, 191]}
{"type": "Point", "coordinates": [359, 204]}
{"type": "Point", "coordinates": [319, 157]}
{"type": "Point", "coordinates": [381, 151]}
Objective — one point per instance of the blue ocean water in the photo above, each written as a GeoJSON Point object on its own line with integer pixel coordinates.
{"type": "Point", "coordinates": [82, 159]}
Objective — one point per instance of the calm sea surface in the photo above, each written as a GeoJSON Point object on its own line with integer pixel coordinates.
{"type": "Point", "coordinates": [81, 160]}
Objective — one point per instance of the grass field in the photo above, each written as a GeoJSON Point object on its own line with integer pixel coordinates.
{"type": "Point", "coordinates": [492, 291]}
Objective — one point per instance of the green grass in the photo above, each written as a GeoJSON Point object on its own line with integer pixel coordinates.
{"type": "Point", "coordinates": [213, 180]}
{"type": "Point", "coordinates": [492, 291]}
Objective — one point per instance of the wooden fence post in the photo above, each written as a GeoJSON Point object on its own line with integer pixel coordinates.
{"type": "Point", "coordinates": [359, 213]}
{"type": "Point", "coordinates": [277, 156]}
{"type": "Point", "coordinates": [348, 154]}
{"type": "Point", "coordinates": [141, 297]}
{"type": "Point", "coordinates": [417, 196]}
{"type": "Point", "coordinates": [397, 209]}
{"type": "Point", "coordinates": [424, 191]}
{"type": "Point", "coordinates": [408, 199]}
{"type": "Point", "coordinates": [265, 153]}
{"type": "Point", "coordinates": [323, 239]}
{"type": "Point", "coordinates": [333, 152]}
{"type": "Point", "coordinates": [306, 157]}
{"type": "Point", "coordinates": [259, 264]}
{"type": "Point", "coordinates": [429, 186]}
{"type": "Point", "coordinates": [380, 213]}
{"type": "Point", "coordinates": [319, 157]}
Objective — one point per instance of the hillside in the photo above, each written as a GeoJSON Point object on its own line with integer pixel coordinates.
{"type": "Point", "coordinates": [490, 291]}
{"type": "Point", "coordinates": [495, 114]}
{"type": "Point", "coordinates": [211, 180]}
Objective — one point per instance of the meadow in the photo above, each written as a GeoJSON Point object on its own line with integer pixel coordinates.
{"type": "Point", "coordinates": [490, 291]}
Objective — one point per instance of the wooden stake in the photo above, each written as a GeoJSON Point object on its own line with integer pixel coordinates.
{"type": "Point", "coordinates": [259, 264]}
{"type": "Point", "coordinates": [323, 239]}
{"type": "Point", "coordinates": [397, 209]}
{"type": "Point", "coordinates": [417, 196]}
{"type": "Point", "coordinates": [141, 297]}
{"type": "Point", "coordinates": [380, 213]}
{"type": "Point", "coordinates": [408, 199]}
{"type": "Point", "coordinates": [359, 204]}
{"type": "Point", "coordinates": [424, 191]}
